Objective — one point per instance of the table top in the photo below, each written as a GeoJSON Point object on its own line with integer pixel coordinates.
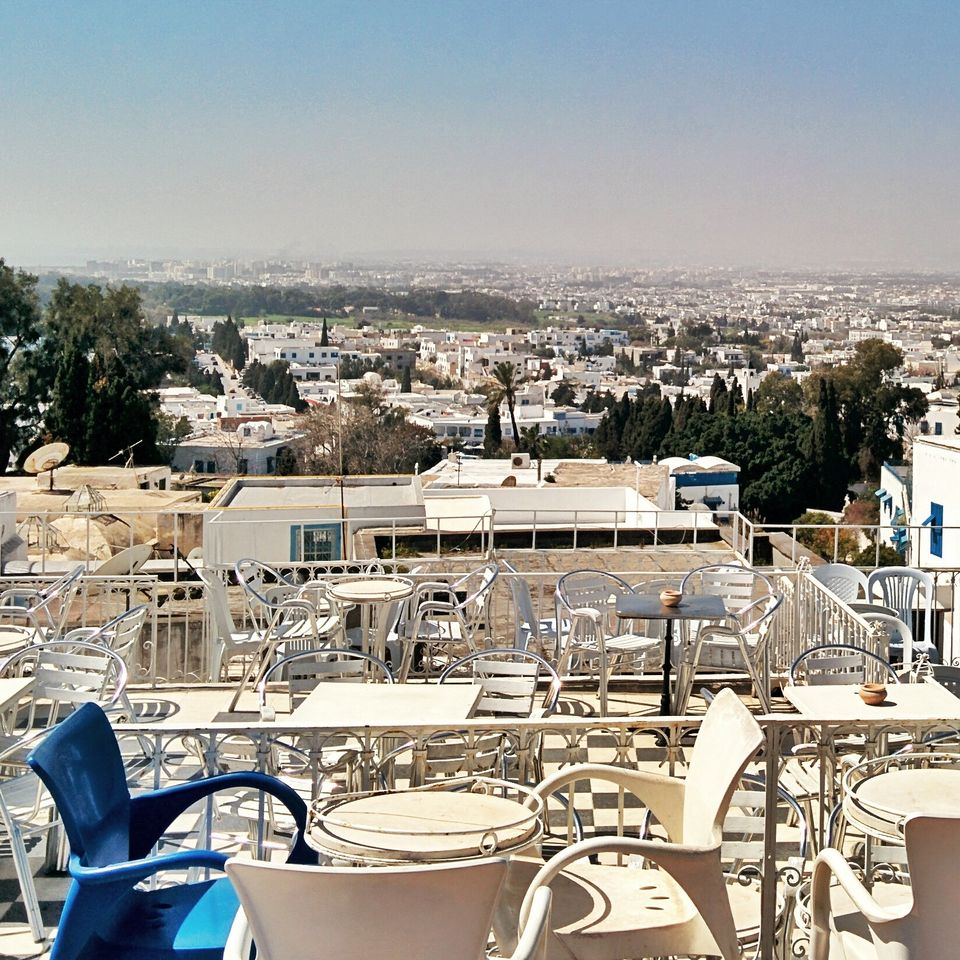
{"type": "Point", "coordinates": [880, 804]}
{"type": "Point", "coordinates": [371, 590]}
{"type": "Point", "coordinates": [905, 701]}
{"type": "Point", "coordinates": [345, 705]}
{"type": "Point", "coordinates": [422, 826]}
{"type": "Point", "coordinates": [694, 606]}
{"type": "Point", "coordinates": [12, 689]}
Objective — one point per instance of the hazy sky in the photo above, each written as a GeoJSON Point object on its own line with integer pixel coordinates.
{"type": "Point", "coordinates": [790, 133]}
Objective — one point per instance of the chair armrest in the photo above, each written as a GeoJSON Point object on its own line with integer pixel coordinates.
{"type": "Point", "coordinates": [662, 795]}
{"type": "Point", "coordinates": [151, 813]}
{"type": "Point", "coordinates": [532, 944]}
{"type": "Point", "coordinates": [829, 863]}
{"type": "Point", "coordinates": [696, 869]}
{"type": "Point", "coordinates": [239, 941]}
{"type": "Point", "coordinates": [133, 871]}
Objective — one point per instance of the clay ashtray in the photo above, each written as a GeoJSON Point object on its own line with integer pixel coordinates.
{"type": "Point", "coordinates": [670, 598]}
{"type": "Point", "coordinates": [873, 694]}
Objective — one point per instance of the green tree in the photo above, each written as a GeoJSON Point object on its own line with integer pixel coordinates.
{"type": "Point", "coordinates": [119, 416]}
{"type": "Point", "coordinates": [20, 329]}
{"type": "Point", "coordinates": [796, 351]}
{"type": "Point", "coordinates": [65, 417]}
{"type": "Point", "coordinates": [324, 336]}
{"type": "Point", "coordinates": [564, 395]}
{"type": "Point", "coordinates": [406, 382]}
{"type": "Point", "coordinates": [493, 435]}
{"type": "Point", "coordinates": [506, 378]}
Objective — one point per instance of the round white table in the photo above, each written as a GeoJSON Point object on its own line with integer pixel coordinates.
{"type": "Point", "coordinates": [375, 596]}
{"type": "Point", "coordinates": [423, 826]}
{"type": "Point", "coordinates": [880, 804]}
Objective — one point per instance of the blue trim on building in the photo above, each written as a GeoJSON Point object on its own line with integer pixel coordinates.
{"type": "Point", "coordinates": [726, 479]}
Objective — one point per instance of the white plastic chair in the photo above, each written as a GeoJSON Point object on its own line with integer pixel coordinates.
{"type": "Point", "coordinates": [841, 580]}
{"type": "Point", "coordinates": [604, 911]}
{"type": "Point", "coordinates": [362, 913]}
{"type": "Point", "coordinates": [587, 598]}
{"type": "Point", "coordinates": [897, 588]}
{"type": "Point", "coordinates": [847, 922]}
{"type": "Point", "coordinates": [228, 642]}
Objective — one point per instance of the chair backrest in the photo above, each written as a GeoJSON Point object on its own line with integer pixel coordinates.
{"type": "Point", "coordinates": [509, 678]}
{"type": "Point", "coordinates": [524, 613]}
{"type": "Point", "coordinates": [728, 737]}
{"type": "Point", "coordinates": [897, 588]}
{"type": "Point", "coordinates": [895, 633]}
{"type": "Point", "coordinates": [55, 601]}
{"type": "Point", "coordinates": [305, 669]}
{"type": "Point", "coordinates": [122, 633]}
{"type": "Point", "coordinates": [933, 851]}
{"type": "Point", "coordinates": [842, 580]}
{"type": "Point", "coordinates": [260, 583]}
{"type": "Point", "coordinates": [67, 672]}
{"type": "Point", "coordinates": [840, 663]}
{"type": "Point", "coordinates": [359, 913]}
{"type": "Point", "coordinates": [736, 584]}
{"type": "Point", "coordinates": [590, 588]}
{"type": "Point", "coordinates": [219, 602]}
{"type": "Point", "coordinates": [80, 764]}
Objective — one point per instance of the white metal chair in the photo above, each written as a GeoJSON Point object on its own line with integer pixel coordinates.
{"type": "Point", "coordinates": [587, 599]}
{"type": "Point", "coordinates": [847, 922]}
{"type": "Point", "coordinates": [510, 679]}
{"type": "Point", "coordinates": [42, 612]}
{"type": "Point", "coordinates": [66, 674]}
{"type": "Point", "coordinates": [542, 634]}
{"type": "Point", "coordinates": [737, 645]}
{"type": "Point", "coordinates": [360, 913]}
{"type": "Point", "coordinates": [840, 663]}
{"type": "Point", "coordinates": [302, 671]}
{"type": "Point", "coordinates": [842, 580]}
{"type": "Point", "coordinates": [897, 588]}
{"type": "Point", "coordinates": [289, 621]}
{"type": "Point", "coordinates": [460, 619]}
{"type": "Point", "coordinates": [606, 911]}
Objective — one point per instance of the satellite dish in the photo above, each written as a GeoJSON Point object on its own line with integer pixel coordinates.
{"type": "Point", "coordinates": [47, 457]}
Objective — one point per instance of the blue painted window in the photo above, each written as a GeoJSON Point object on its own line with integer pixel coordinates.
{"type": "Point", "coordinates": [936, 530]}
{"type": "Point", "coordinates": [315, 542]}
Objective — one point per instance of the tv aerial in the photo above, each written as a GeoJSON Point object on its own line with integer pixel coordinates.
{"type": "Point", "coordinates": [47, 457]}
{"type": "Point", "coordinates": [128, 452]}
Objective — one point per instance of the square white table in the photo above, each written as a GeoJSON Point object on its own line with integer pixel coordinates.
{"type": "Point", "coordinates": [12, 689]}
{"type": "Point", "coordinates": [353, 705]}
{"type": "Point", "coordinates": [905, 702]}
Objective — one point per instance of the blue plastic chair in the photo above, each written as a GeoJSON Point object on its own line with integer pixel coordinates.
{"type": "Point", "coordinates": [111, 835]}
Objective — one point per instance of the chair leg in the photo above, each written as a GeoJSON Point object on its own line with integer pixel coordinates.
{"type": "Point", "coordinates": [28, 891]}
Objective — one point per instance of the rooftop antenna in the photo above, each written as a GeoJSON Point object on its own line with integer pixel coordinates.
{"type": "Point", "coordinates": [47, 457]}
{"type": "Point", "coordinates": [129, 453]}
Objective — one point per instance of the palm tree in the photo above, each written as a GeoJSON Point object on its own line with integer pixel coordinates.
{"type": "Point", "coordinates": [506, 377]}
